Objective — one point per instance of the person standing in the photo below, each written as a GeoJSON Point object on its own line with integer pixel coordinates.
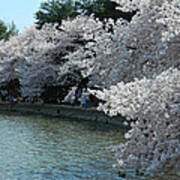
{"type": "Point", "coordinates": [4, 93]}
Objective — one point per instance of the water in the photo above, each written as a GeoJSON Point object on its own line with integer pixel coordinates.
{"type": "Point", "coordinates": [39, 148]}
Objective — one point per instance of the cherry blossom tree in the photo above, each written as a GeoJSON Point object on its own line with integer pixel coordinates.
{"type": "Point", "coordinates": [37, 57]}
{"type": "Point", "coordinates": [146, 65]}
{"type": "Point", "coordinates": [143, 47]}
{"type": "Point", "coordinates": [154, 139]}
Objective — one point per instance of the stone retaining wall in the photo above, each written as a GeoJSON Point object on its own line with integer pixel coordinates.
{"type": "Point", "coordinates": [62, 111]}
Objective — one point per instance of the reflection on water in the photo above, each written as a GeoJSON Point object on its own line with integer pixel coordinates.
{"type": "Point", "coordinates": [42, 148]}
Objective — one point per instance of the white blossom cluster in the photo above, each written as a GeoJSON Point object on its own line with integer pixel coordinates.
{"type": "Point", "coordinates": [70, 97]}
{"type": "Point", "coordinates": [132, 5]}
{"type": "Point", "coordinates": [143, 47]}
{"type": "Point", "coordinates": [144, 53]}
{"type": "Point", "coordinates": [37, 57]}
{"type": "Point", "coordinates": [154, 139]}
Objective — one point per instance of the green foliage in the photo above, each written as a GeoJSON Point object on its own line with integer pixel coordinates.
{"type": "Point", "coordinates": [54, 11]}
{"type": "Point", "coordinates": [3, 30]}
{"type": "Point", "coordinates": [104, 9]}
{"type": "Point", "coordinates": [101, 9]}
{"type": "Point", "coordinates": [7, 30]}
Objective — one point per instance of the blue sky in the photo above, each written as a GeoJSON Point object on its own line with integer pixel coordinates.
{"type": "Point", "coordinates": [20, 11]}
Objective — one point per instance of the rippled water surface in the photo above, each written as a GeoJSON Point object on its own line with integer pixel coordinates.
{"type": "Point", "coordinates": [39, 148]}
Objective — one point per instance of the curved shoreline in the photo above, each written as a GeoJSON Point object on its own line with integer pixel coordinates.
{"type": "Point", "coordinates": [62, 111]}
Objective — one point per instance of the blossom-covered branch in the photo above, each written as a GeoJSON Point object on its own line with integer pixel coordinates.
{"type": "Point", "coordinates": [154, 139]}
